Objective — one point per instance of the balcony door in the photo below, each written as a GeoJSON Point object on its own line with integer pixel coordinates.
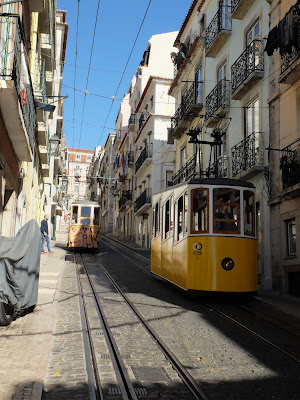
{"type": "Point", "coordinates": [225, 11]}
{"type": "Point", "coordinates": [222, 76]}
{"type": "Point", "coordinates": [253, 34]}
{"type": "Point", "coordinates": [198, 86]}
{"type": "Point", "coordinates": [252, 135]}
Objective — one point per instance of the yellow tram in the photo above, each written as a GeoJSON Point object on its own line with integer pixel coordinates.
{"type": "Point", "coordinates": [204, 235]}
{"type": "Point", "coordinates": [84, 230]}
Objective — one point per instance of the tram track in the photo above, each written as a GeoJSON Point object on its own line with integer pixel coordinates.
{"type": "Point", "coordinates": [266, 317]}
{"type": "Point", "coordinates": [91, 272]}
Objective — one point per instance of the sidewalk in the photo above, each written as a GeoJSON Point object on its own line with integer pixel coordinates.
{"type": "Point", "coordinates": [25, 345]}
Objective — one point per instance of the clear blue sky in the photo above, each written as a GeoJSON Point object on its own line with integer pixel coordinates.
{"type": "Point", "coordinates": [116, 31]}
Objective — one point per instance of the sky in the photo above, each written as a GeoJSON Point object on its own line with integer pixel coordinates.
{"type": "Point", "coordinates": [109, 33]}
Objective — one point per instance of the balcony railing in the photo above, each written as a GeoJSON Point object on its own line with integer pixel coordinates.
{"type": "Point", "coordinates": [142, 120]}
{"type": "Point", "coordinates": [248, 153]}
{"type": "Point", "coordinates": [250, 63]}
{"type": "Point", "coordinates": [125, 198]}
{"type": "Point", "coordinates": [146, 153]}
{"type": "Point", "coordinates": [14, 65]}
{"type": "Point", "coordinates": [130, 157]}
{"type": "Point", "coordinates": [221, 22]}
{"type": "Point", "coordinates": [218, 99]}
{"type": "Point", "coordinates": [219, 169]}
{"type": "Point", "coordinates": [192, 102]}
{"type": "Point", "coordinates": [290, 165]}
{"type": "Point", "coordinates": [187, 172]}
{"type": "Point", "coordinates": [144, 198]}
{"type": "Point", "coordinates": [131, 122]}
{"type": "Point", "coordinates": [39, 84]}
{"type": "Point", "coordinates": [239, 8]}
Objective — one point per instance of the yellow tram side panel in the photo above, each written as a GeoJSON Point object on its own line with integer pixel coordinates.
{"type": "Point", "coordinates": [167, 259]}
{"type": "Point", "coordinates": [205, 272]}
{"type": "Point", "coordinates": [156, 256]}
{"type": "Point", "coordinates": [180, 264]}
{"type": "Point", "coordinates": [84, 236]}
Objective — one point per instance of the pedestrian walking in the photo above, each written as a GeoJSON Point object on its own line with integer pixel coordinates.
{"type": "Point", "coordinates": [45, 234]}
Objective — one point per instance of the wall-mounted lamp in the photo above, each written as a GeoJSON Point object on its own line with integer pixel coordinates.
{"type": "Point", "coordinates": [54, 143]}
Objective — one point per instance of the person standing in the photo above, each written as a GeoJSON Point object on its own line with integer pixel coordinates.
{"type": "Point", "coordinates": [45, 234]}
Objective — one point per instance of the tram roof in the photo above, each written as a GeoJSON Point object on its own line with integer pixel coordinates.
{"type": "Point", "coordinates": [217, 182]}
{"type": "Point", "coordinates": [85, 202]}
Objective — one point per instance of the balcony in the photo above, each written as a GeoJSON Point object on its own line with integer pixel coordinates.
{"type": "Point", "coordinates": [143, 202]}
{"type": "Point", "coordinates": [239, 8]}
{"type": "Point", "coordinates": [125, 200]}
{"type": "Point", "coordinates": [187, 172]}
{"type": "Point", "coordinates": [46, 48]}
{"type": "Point", "coordinates": [131, 123]}
{"type": "Point", "coordinates": [188, 110]}
{"type": "Point", "coordinates": [247, 69]}
{"type": "Point", "coordinates": [217, 103]}
{"type": "Point", "coordinates": [39, 79]}
{"type": "Point", "coordinates": [16, 93]}
{"type": "Point", "coordinates": [118, 138]}
{"type": "Point", "coordinates": [116, 163]}
{"type": "Point", "coordinates": [45, 170]}
{"type": "Point", "coordinates": [130, 158]}
{"type": "Point", "coordinates": [142, 120]}
{"type": "Point", "coordinates": [144, 159]}
{"type": "Point", "coordinates": [248, 156]}
{"type": "Point", "coordinates": [219, 169]}
{"type": "Point", "coordinates": [60, 117]}
{"type": "Point", "coordinates": [290, 165]}
{"type": "Point", "coordinates": [44, 154]}
{"type": "Point", "coordinates": [41, 134]}
{"type": "Point", "coordinates": [290, 67]}
{"type": "Point", "coordinates": [218, 31]}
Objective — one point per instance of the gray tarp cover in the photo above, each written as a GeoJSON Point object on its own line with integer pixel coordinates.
{"type": "Point", "coordinates": [20, 266]}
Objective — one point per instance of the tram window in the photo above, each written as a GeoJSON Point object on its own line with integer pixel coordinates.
{"type": "Point", "coordinates": [156, 221]}
{"type": "Point", "coordinates": [96, 220]}
{"type": "Point", "coordinates": [249, 226]}
{"type": "Point", "coordinates": [74, 214]}
{"type": "Point", "coordinates": [167, 215]}
{"type": "Point", "coordinates": [85, 215]}
{"type": "Point", "coordinates": [179, 217]}
{"type": "Point", "coordinates": [186, 205]}
{"type": "Point", "coordinates": [226, 207]}
{"type": "Point", "coordinates": [200, 210]}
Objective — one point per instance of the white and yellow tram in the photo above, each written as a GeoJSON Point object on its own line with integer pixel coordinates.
{"type": "Point", "coordinates": [84, 230]}
{"type": "Point", "coordinates": [204, 236]}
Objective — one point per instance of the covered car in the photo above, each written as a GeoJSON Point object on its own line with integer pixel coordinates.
{"type": "Point", "coordinates": [19, 271]}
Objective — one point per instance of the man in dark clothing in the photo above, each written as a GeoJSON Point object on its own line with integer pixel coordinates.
{"type": "Point", "coordinates": [45, 234]}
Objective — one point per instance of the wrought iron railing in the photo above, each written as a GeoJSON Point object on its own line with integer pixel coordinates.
{"type": "Point", "coordinates": [248, 153]}
{"type": "Point", "coordinates": [187, 172]}
{"type": "Point", "coordinates": [144, 198]}
{"type": "Point", "coordinates": [193, 96]}
{"type": "Point", "coordinates": [220, 22]}
{"type": "Point", "coordinates": [146, 153]}
{"type": "Point", "coordinates": [219, 169]}
{"type": "Point", "coordinates": [14, 65]}
{"type": "Point", "coordinates": [251, 60]}
{"type": "Point", "coordinates": [142, 120]}
{"type": "Point", "coordinates": [288, 59]}
{"type": "Point", "coordinates": [219, 97]}
{"type": "Point", "coordinates": [131, 120]}
{"type": "Point", "coordinates": [130, 157]}
{"type": "Point", "coordinates": [290, 164]}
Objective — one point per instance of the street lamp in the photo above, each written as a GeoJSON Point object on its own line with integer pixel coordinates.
{"type": "Point", "coordinates": [54, 143]}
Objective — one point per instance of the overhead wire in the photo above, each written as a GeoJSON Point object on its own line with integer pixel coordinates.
{"type": "Point", "coordinates": [142, 23]}
{"type": "Point", "coordinates": [76, 53]}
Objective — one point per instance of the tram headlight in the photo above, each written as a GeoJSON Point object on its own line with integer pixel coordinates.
{"type": "Point", "coordinates": [227, 263]}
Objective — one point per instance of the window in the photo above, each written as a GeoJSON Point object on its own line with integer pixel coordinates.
{"type": "Point", "coordinates": [226, 210]}
{"type": "Point", "coordinates": [179, 217]}
{"type": "Point", "coordinates": [249, 225]}
{"type": "Point", "coordinates": [225, 7]}
{"type": "Point", "coordinates": [77, 156]}
{"type": "Point", "coordinates": [186, 210]}
{"type": "Point", "coordinates": [200, 210]}
{"type": "Point", "coordinates": [169, 180]}
{"type": "Point", "coordinates": [183, 157]}
{"type": "Point", "coordinates": [85, 215]}
{"type": "Point", "coordinates": [156, 221]}
{"type": "Point", "coordinates": [291, 237]}
{"type": "Point", "coordinates": [89, 158]}
{"type": "Point", "coordinates": [96, 220]}
{"type": "Point", "coordinates": [74, 218]}
{"type": "Point", "coordinates": [198, 85]}
{"type": "Point", "coordinates": [167, 219]}
{"type": "Point", "coordinates": [253, 33]}
{"type": "Point", "coordinates": [252, 116]}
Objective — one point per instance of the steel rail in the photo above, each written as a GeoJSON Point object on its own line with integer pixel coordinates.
{"type": "Point", "coordinates": [126, 248]}
{"type": "Point", "coordinates": [90, 357]}
{"type": "Point", "coordinates": [188, 380]}
{"type": "Point", "coordinates": [123, 379]}
{"type": "Point", "coordinates": [252, 332]}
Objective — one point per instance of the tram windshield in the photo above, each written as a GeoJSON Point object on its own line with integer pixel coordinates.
{"type": "Point", "coordinates": [226, 210]}
{"type": "Point", "coordinates": [200, 210]}
{"type": "Point", "coordinates": [85, 215]}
